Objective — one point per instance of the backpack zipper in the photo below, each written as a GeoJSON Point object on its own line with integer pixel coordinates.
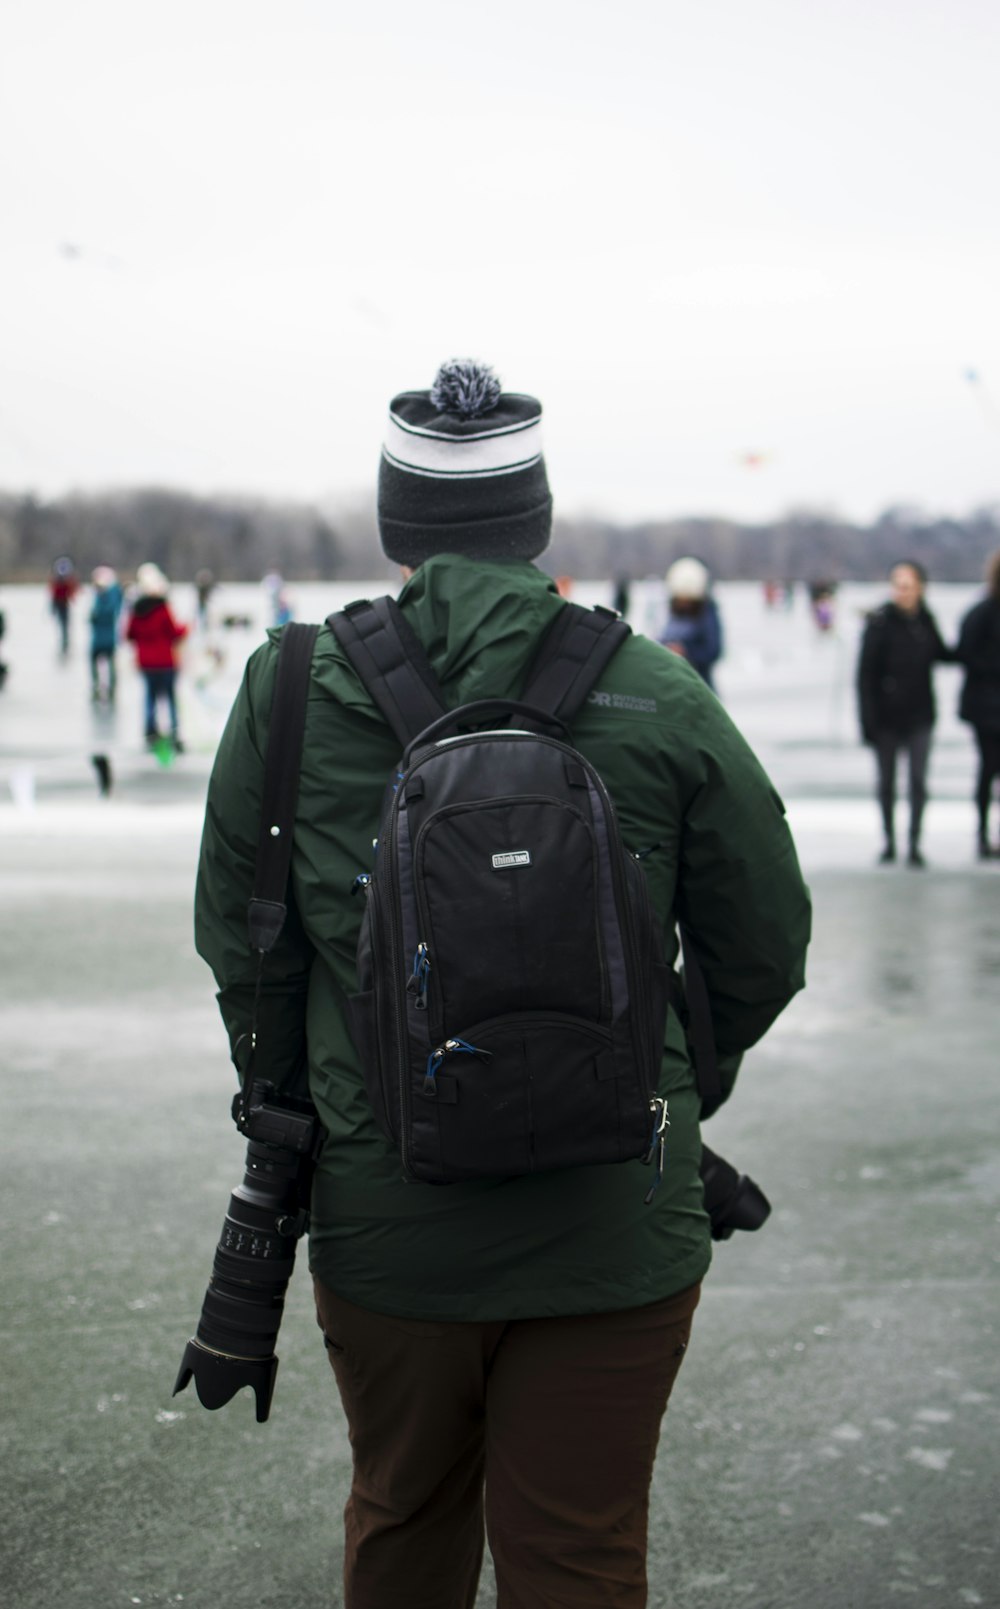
{"type": "Point", "coordinates": [419, 980]}
{"type": "Point", "coordinates": [396, 1002]}
{"type": "Point", "coordinates": [450, 1048]}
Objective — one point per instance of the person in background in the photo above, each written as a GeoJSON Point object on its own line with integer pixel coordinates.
{"type": "Point", "coordinates": [823, 605]}
{"type": "Point", "coordinates": [622, 595]}
{"type": "Point", "coordinates": [204, 586]}
{"type": "Point", "coordinates": [156, 633]}
{"type": "Point", "coordinates": [979, 651]}
{"type": "Point", "coordinates": [900, 646]}
{"type": "Point", "coordinates": [693, 628]}
{"type": "Point", "coordinates": [105, 612]}
{"type": "Point", "coordinates": [63, 588]}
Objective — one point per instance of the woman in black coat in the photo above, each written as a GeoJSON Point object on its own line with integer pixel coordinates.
{"type": "Point", "coordinates": [979, 651]}
{"type": "Point", "coordinates": [901, 644]}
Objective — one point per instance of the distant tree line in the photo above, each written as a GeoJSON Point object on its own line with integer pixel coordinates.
{"type": "Point", "coordinates": [240, 539]}
{"type": "Point", "coordinates": [801, 545]}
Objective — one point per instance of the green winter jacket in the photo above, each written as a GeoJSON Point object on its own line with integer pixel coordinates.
{"type": "Point", "coordinates": [683, 781]}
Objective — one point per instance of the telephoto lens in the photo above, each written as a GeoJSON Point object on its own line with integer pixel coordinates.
{"type": "Point", "coordinates": [233, 1345]}
{"type": "Point", "coordinates": [732, 1200]}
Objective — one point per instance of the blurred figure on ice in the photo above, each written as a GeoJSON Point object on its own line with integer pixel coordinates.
{"type": "Point", "coordinates": [204, 586]}
{"type": "Point", "coordinates": [779, 594]}
{"type": "Point", "coordinates": [63, 588]}
{"type": "Point", "coordinates": [622, 595]}
{"type": "Point", "coordinates": [693, 628]}
{"type": "Point", "coordinates": [156, 634]}
{"type": "Point", "coordinates": [104, 616]}
{"type": "Point", "coordinates": [3, 628]}
{"type": "Point", "coordinates": [822, 602]}
{"type": "Point", "coordinates": [979, 651]}
{"type": "Point", "coordinates": [281, 607]}
{"type": "Point", "coordinates": [900, 646]}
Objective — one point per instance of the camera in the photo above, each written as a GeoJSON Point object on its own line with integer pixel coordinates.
{"type": "Point", "coordinates": [732, 1200]}
{"type": "Point", "coordinates": [233, 1345]}
{"type": "Point", "coordinates": [268, 1214]}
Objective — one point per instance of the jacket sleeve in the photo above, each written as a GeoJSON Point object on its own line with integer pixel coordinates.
{"type": "Point", "coordinates": [175, 631]}
{"type": "Point", "coordinates": [973, 649]}
{"type": "Point", "coordinates": [868, 676]}
{"type": "Point", "coordinates": [713, 632]}
{"type": "Point", "coordinates": [942, 653]}
{"type": "Point", "coordinates": [741, 896]}
{"type": "Point", "coordinates": [225, 884]}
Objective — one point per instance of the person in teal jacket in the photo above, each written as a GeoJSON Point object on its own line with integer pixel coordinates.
{"type": "Point", "coordinates": [105, 614]}
{"type": "Point", "coordinates": [521, 1335]}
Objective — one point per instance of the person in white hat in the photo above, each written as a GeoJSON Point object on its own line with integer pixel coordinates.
{"type": "Point", "coordinates": [156, 633]}
{"type": "Point", "coordinates": [694, 628]}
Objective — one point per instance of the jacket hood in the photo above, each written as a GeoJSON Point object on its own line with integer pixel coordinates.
{"type": "Point", "coordinates": [479, 620]}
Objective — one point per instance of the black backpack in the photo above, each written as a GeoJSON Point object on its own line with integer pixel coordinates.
{"type": "Point", "coordinates": [513, 992]}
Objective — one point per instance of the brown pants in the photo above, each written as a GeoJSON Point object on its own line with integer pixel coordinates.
{"type": "Point", "coordinates": [559, 1417]}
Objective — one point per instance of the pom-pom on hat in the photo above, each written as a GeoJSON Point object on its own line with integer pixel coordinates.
{"type": "Point", "coordinates": [462, 470]}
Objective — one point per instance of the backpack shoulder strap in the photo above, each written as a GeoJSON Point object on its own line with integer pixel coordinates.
{"type": "Point", "coordinates": [267, 909]}
{"type": "Point", "coordinates": [570, 657]}
{"type": "Point", "coordinates": [392, 664]}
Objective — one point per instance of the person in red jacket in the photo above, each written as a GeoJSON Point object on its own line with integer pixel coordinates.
{"type": "Point", "coordinates": [156, 633]}
{"type": "Point", "coordinates": [64, 585]}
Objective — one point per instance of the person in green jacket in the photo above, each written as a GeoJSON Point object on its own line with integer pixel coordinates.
{"type": "Point", "coordinates": [521, 1335]}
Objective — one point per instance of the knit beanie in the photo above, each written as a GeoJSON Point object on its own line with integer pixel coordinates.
{"type": "Point", "coordinates": [151, 581]}
{"type": "Point", "coordinates": [462, 471]}
{"type": "Point", "coordinates": [687, 578]}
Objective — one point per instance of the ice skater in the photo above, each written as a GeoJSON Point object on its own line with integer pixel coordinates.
{"type": "Point", "coordinates": [105, 613]}
{"type": "Point", "coordinates": [156, 633]}
{"type": "Point", "coordinates": [63, 588]}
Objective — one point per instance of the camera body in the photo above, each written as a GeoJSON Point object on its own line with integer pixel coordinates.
{"type": "Point", "coordinates": [732, 1200]}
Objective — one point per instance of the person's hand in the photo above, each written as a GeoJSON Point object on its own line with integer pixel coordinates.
{"type": "Point", "coordinates": [676, 648]}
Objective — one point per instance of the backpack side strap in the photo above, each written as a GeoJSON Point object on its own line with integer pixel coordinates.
{"type": "Point", "coordinates": [267, 909]}
{"type": "Point", "coordinates": [392, 664]}
{"type": "Point", "coordinates": [700, 1033]}
{"type": "Point", "coordinates": [571, 656]}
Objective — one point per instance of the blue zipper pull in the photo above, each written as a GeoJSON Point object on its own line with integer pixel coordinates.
{"type": "Point", "coordinates": [449, 1048]}
{"type": "Point", "coordinates": [419, 978]}
{"type": "Point", "coordinates": [361, 882]}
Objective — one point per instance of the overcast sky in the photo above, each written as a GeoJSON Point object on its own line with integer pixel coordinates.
{"type": "Point", "coordinates": [229, 231]}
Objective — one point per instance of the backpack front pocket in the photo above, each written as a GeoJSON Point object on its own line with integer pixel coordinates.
{"type": "Point", "coordinates": [502, 927]}
{"type": "Point", "coordinates": [523, 1093]}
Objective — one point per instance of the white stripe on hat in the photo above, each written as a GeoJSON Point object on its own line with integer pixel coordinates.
{"type": "Point", "coordinates": [451, 457]}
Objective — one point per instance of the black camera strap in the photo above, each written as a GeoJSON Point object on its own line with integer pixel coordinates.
{"type": "Point", "coordinates": [268, 907]}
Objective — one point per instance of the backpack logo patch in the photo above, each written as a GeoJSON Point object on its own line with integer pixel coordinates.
{"type": "Point", "coordinates": [513, 857]}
